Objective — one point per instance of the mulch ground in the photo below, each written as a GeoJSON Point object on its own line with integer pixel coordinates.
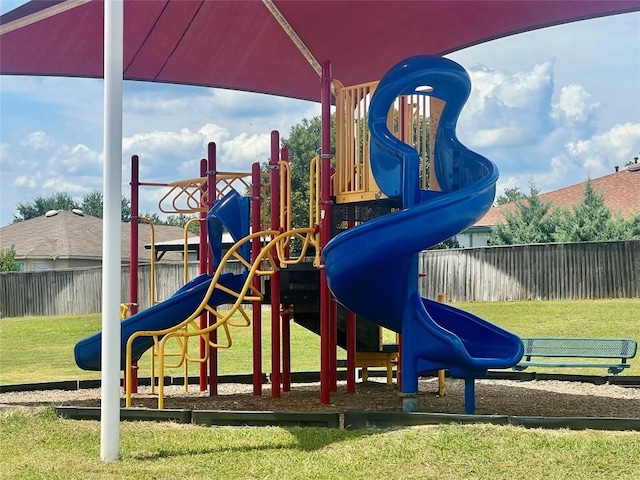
{"type": "Point", "coordinates": [499, 399]}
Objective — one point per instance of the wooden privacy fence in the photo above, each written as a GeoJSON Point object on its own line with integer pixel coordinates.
{"type": "Point", "coordinates": [79, 291]}
{"type": "Point", "coordinates": [568, 271]}
{"type": "Point", "coordinates": [552, 271]}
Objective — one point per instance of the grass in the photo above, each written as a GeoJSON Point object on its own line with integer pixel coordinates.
{"type": "Point", "coordinates": [67, 449]}
{"type": "Point", "coordinates": [39, 349]}
{"type": "Point", "coordinates": [36, 349]}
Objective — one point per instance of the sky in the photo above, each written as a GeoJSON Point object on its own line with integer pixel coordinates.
{"type": "Point", "coordinates": [555, 106]}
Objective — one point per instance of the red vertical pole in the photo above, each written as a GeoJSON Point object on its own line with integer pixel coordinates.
{"type": "Point", "coordinates": [133, 256]}
{"type": "Point", "coordinates": [202, 268]}
{"type": "Point", "coordinates": [255, 251]}
{"type": "Point", "coordinates": [212, 193]}
{"type": "Point", "coordinates": [275, 278]}
{"type": "Point", "coordinates": [325, 236]}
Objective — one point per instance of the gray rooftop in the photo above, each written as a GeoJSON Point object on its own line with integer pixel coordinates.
{"type": "Point", "coordinates": [78, 236]}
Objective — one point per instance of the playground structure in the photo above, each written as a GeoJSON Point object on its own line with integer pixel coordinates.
{"type": "Point", "coordinates": [402, 183]}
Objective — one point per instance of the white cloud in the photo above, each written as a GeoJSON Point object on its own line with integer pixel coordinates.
{"type": "Point", "coordinates": [507, 110]}
{"type": "Point", "coordinates": [213, 133]}
{"type": "Point", "coordinates": [79, 159]}
{"type": "Point", "coordinates": [243, 150]}
{"type": "Point", "coordinates": [28, 181]}
{"type": "Point", "coordinates": [601, 153]}
{"type": "Point", "coordinates": [536, 130]}
{"type": "Point", "coordinates": [499, 136]}
{"type": "Point", "coordinates": [38, 140]}
{"type": "Point", "coordinates": [574, 105]}
{"type": "Point", "coordinates": [527, 89]}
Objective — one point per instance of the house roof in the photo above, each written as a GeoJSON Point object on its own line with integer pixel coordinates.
{"type": "Point", "coordinates": [621, 194]}
{"type": "Point", "coordinates": [69, 235]}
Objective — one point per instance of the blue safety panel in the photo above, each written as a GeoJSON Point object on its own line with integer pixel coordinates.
{"type": "Point", "coordinates": [230, 213]}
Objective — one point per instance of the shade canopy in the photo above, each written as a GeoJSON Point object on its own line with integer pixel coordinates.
{"type": "Point", "coordinates": [269, 46]}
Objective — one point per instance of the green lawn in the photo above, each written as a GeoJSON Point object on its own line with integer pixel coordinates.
{"type": "Point", "coordinates": [37, 445]}
{"type": "Point", "coordinates": [39, 349]}
{"type": "Point", "coordinates": [36, 349]}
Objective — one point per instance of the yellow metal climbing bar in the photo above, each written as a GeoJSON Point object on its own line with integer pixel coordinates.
{"type": "Point", "coordinates": [265, 264]}
{"type": "Point", "coordinates": [184, 196]}
{"type": "Point", "coordinates": [227, 181]}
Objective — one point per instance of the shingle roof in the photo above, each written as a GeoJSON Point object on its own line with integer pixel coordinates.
{"type": "Point", "coordinates": [621, 192]}
{"type": "Point", "coordinates": [69, 235]}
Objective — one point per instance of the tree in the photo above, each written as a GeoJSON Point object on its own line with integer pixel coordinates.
{"type": "Point", "coordinates": [91, 204]}
{"type": "Point", "coordinates": [8, 260]}
{"type": "Point", "coordinates": [153, 217]}
{"type": "Point", "coordinates": [303, 143]}
{"type": "Point", "coordinates": [40, 205]}
{"type": "Point", "coordinates": [181, 220]}
{"type": "Point", "coordinates": [448, 243]}
{"type": "Point", "coordinates": [633, 161]}
{"type": "Point", "coordinates": [590, 220]}
{"type": "Point", "coordinates": [533, 221]}
{"type": "Point", "coordinates": [509, 195]}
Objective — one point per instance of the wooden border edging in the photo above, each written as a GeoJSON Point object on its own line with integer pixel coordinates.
{"type": "Point", "coordinates": [578, 423]}
{"type": "Point", "coordinates": [353, 420]}
{"type": "Point", "coordinates": [360, 420]}
{"type": "Point", "coordinates": [258, 419]}
{"type": "Point", "coordinates": [68, 385]}
{"type": "Point", "coordinates": [210, 417]}
{"type": "Point", "coordinates": [93, 413]}
{"type": "Point", "coordinates": [367, 420]}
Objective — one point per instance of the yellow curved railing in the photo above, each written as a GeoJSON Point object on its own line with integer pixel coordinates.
{"type": "Point", "coordinates": [264, 265]}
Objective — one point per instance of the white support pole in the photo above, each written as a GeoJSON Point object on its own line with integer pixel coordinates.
{"type": "Point", "coordinates": [111, 254]}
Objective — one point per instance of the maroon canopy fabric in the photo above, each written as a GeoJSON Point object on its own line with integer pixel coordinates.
{"type": "Point", "coordinates": [240, 44]}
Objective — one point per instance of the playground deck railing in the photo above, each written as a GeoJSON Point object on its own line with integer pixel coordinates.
{"type": "Point", "coordinates": [409, 120]}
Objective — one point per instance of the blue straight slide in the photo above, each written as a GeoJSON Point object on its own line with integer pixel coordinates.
{"type": "Point", "coordinates": [230, 213]}
{"type": "Point", "coordinates": [163, 315]}
{"type": "Point", "coordinates": [372, 269]}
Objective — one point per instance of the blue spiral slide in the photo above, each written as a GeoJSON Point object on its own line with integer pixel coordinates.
{"type": "Point", "coordinates": [372, 269]}
{"type": "Point", "coordinates": [230, 213]}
